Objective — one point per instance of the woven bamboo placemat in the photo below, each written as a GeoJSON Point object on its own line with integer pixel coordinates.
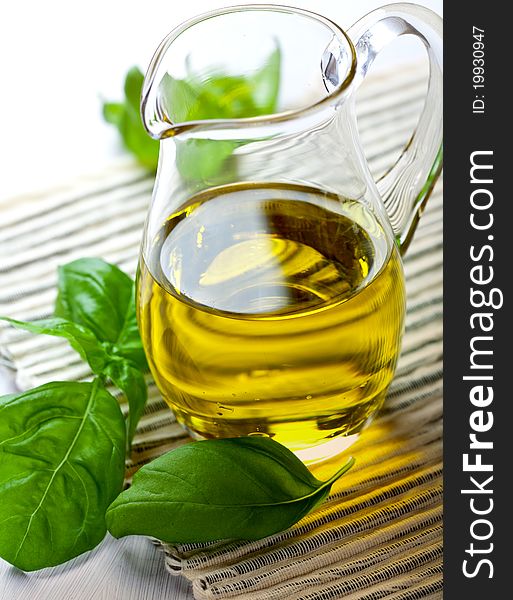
{"type": "Point", "coordinates": [379, 534]}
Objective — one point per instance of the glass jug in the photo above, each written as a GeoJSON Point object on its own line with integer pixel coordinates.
{"type": "Point", "coordinates": [270, 287]}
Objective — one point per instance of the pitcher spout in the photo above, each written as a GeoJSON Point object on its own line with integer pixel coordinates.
{"type": "Point", "coordinates": [253, 72]}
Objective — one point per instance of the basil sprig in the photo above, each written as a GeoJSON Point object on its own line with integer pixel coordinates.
{"type": "Point", "coordinates": [197, 98]}
{"type": "Point", "coordinates": [95, 312]}
{"type": "Point", "coordinates": [63, 444]}
{"type": "Point", "coordinates": [218, 96]}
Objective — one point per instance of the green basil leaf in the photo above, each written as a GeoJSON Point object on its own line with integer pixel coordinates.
{"type": "Point", "coordinates": [242, 488]}
{"type": "Point", "coordinates": [129, 344]}
{"type": "Point", "coordinates": [205, 160]}
{"type": "Point", "coordinates": [266, 84]}
{"type": "Point", "coordinates": [80, 338]}
{"type": "Point", "coordinates": [218, 97]}
{"type": "Point", "coordinates": [179, 98]}
{"type": "Point", "coordinates": [100, 301]}
{"type": "Point", "coordinates": [134, 80]}
{"type": "Point", "coordinates": [102, 358]}
{"type": "Point", "coordinates": [136, 139]}
{"type": "Point", "coordinates": [62, 451]}
{"type": "Point", "coordinates": [94, 294]}
{"type": "Point", "coordinates": [100, 297]}
{"type": "Point", "coordinates": [131, 381]}
{"type": "Point", "coordinates": [126, 118]}
{"type": "Point", "coordinates": [113, 112]}
{"type": "Point", "coordinates": [225, 97]}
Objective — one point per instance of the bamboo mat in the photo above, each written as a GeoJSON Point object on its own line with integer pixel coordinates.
{"type": "Point", "coordinates": [379, 534]}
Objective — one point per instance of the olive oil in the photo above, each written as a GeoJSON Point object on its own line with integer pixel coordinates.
{"type": "Point", "coordinates": [272, 310]}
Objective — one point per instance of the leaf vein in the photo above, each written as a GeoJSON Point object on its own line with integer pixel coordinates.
{"type": "Point", "coordinates": [60, 465]}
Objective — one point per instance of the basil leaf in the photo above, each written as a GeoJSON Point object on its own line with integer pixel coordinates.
{"type": "Point", "coordinates": [128, 343]}
{"type": "Point", "coordinates": [218, 97]}
{"type": "Point", "coordinates": [266, 84]}
{"type": "Point", "coordinates": [81, 339]}
{"type": "Point", "coordinates": [243, 488]}
{"type": "Point", "coordinates": [123, 373]}
{"type": "Point", "coordinates": [95, 294]}
{"type": "Point", "coordinates": [136, 139]}
{"type": "Point", "coordinates": [134, 80]}
{"type": "Point", "coordinates": [113, 112]}
{"type": "Point", "coordinates": [192, 99]}
{"type": "Point", "coordinates": [178, 97]}
{"type": "Point", "coordinates": [126, 117]}
{"type": "Point", "coordinates": [205, 160]}
{"type": "Point", "coordinates": [100, 301]}
{"type": "Point", "coordinates": [62, 450]}
{"type": "Point", "coordinates": [224, 97]}
{"type": "Point", "coordinates": [131, 381]}
{"type": "Point", "coordinates": [99, 296]}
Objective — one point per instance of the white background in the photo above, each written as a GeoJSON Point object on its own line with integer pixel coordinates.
{"type": "Point", "coordinates": [60, 58]}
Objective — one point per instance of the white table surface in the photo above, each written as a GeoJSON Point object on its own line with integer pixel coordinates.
{"type": "Point", "coordinates": [59, 59]}
{"type": "Point", "coordinates": [127, 569]}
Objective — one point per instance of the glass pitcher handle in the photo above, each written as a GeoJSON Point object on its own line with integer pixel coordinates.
{"type": "Point", "coordinates": [406, 187]}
